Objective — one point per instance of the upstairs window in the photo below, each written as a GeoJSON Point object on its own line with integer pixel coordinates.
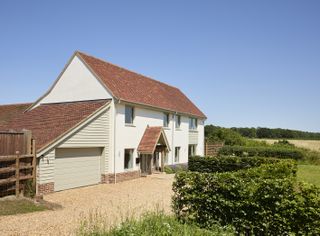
{"type": "Point", "coordinates": [129, 114]}
{"type": "Point", "coordinates": [166, 120]}
{"type": "Point", "coordinates": [178, 121]}
{"type": "Point", "coordinates": [193, 123]}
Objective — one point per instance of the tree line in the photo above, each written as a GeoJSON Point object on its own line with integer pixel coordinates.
{"type": "Point", "coordinates": [261, 132]}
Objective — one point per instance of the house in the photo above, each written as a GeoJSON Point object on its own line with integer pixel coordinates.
{"type": "Point", "coordinates": [100, 123]}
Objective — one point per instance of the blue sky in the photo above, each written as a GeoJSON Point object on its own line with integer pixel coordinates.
{"type": "Point", "coordinates": [244, 63]}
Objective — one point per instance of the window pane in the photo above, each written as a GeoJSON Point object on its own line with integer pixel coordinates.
{"type": "Point", "coordinates": [129, 115]}
{"type": "Point", "coordinates": [177, 154]}
{"type": "Point", "coordinates": [128, 158]}
{"type": "Point", "coordinates": [165, 120]}
{"type": "Point", "coordinates": [178, 121]}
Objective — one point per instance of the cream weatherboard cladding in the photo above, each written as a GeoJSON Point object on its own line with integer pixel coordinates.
{"type": "Point", "coordinates": [193, 137]}
{"type": "Point", "coordinates": [94, 134]}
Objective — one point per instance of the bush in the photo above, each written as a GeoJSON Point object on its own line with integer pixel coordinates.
{"type": "Point", "coordinates": [219, 134]}
{"type": "Point", "coordinates": [227, 163]}
{"type": "Point", "coordinates": [278, 152]}
{"type": "Point", "coordinates": [171, 169]}
{"type": "Point", "coordinates": [265, 200]}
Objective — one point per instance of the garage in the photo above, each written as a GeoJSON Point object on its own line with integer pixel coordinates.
{"type": "Point", "coordinates": [76, 167]}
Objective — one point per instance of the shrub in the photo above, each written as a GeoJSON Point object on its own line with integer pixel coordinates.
{"type": "Point", "coordinates": [227, 163]}
{"type": "Point", "coordinates": [219, 134]}
{"type": "Point", "coordinates": [278, 152]}
{"type": "Point", "coordinates": [171, 169]}
{"type": "Point", "coordinates": [262, 201]}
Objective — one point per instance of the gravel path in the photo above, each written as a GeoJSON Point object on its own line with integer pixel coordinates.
{"type": "Point", "coordinates": [113, 202]}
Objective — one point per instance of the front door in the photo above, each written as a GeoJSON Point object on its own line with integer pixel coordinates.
{"type": "Point", "coordinates": [145, 164]}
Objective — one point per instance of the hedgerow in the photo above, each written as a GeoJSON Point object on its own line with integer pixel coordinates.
{"type": "Point", "coordinates": [230, 163]}
{"type": "Point", "coordinates": [264, 200]}
{"type": "Point", "coordinates": [278, 152]}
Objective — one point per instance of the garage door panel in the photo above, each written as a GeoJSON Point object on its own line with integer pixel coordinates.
{"type": "Point", "coordinates": [75, 167]}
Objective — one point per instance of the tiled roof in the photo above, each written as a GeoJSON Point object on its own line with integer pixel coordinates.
{"type": "Point", "coordinates": [11, 111]}
{"type": "Point", "coordinates": [149, 140]}
{"type": "Point", "coordinates": [135, 88]}
{"type": "Point", "coordinates": [49, 121]}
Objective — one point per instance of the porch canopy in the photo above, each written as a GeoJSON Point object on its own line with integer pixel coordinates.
{"type": "Point", "coordinates": [153, 138]}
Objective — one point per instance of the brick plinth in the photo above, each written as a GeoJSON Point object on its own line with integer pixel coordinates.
{"type": "Point", "coordinates": [46, 188]}
{"type": "Point", "coordinates": [109, 178]}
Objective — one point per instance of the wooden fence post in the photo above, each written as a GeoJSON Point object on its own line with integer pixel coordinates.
{"type": "Point", "coordinates": [17, 174]}
{"type": "Point", "coordinates": [34, 163]}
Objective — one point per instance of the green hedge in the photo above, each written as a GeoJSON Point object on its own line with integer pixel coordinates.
{"type": "Point", "coordinates": [278, 152]}
{"type": "Point", "coordinates": [224, 164]}
{"type": "Point", "coordinates": [265, 200]}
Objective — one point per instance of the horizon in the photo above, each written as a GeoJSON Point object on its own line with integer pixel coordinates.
{"type": "Point", "coordinates": [244, 64]}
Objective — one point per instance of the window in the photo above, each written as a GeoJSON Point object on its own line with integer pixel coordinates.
{"type": "Point", "coordinates": [129, 115]}
{"type": "Point", "coordinates": [193, 123]}
{"type": "Point", "coordinates": [176, 154]}
{"type": "Point", "coordinates": [128, 159]}
{"type": "Point", "coordinates": [166, 120]}
{"type": "Point", "coordinates": [178, 121]}
{"type": "Point", "coordinates": [192, 150]}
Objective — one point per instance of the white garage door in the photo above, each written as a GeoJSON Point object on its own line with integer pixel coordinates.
{"type": "Point", "coordinates": [75, 167]}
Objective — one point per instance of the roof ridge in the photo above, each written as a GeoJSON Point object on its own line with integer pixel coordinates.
{"type": "Point", "coordinates": [15, 104]}
{"type": "Point", "coordinates": [122, 68]}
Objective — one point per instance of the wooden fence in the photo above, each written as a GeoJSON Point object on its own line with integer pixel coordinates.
{"type": "Point", "coordinates": [17, 163]}
{"type": "Point", "coordinates": [212, 149]}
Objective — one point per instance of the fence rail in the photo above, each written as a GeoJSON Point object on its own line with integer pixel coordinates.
{"type": "Point", "coordinates": [212, 149]}
{"type": "Point", "coordinates": [17, 162]}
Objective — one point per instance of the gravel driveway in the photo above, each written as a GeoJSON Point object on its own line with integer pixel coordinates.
{"type": "Point", "coordinates": [113, 201]}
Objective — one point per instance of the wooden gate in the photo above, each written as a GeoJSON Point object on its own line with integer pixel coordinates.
{"type": "Point", "coordinates": [17, 162]}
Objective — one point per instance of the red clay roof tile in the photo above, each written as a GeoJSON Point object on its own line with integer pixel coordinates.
{"type": "Point", "coordinates": [132, 87]}
{"type": "Point", "coordinates": [11, 111]}
{"type": "Point", "coordinates": [49, 121]}
{"type": "Point", "coordinates": [149, 140]}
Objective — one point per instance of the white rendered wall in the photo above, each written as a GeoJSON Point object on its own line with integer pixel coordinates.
{"type": "Point", "coordinates": [76, 83]}
{"type": "Point", "coordinates": [129, 136]}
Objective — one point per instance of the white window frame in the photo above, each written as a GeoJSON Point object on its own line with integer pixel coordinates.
{"type": "Point", "coordinates": [193, 123]}
{"type": "Point", "coordinates": [178, 121]}
{"type": "Point", "coordinates": [166, 120]}
{"type": "Point", "coordinates": [193, 147]}
{"type": "Point", "coordinates": [125, 114]}
{"type": "Point", "coordinates": [131, 150]}
{"type": "Point", "coordinates": [177, 154]}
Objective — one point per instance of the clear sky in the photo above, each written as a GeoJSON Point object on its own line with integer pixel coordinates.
{"type": "Point", "coordinates": [244, 63]}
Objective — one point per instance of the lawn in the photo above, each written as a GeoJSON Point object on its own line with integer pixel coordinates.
{"type": "Point", "coordinates": [309, 173]}
{"type": "Point", "coordinates": [18, 206]}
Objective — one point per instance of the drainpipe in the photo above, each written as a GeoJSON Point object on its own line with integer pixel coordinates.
{"type": "Point", "coordinates": [114, 140]}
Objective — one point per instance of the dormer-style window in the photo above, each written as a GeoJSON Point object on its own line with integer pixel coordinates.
{"type": "Point", "coordinates": [166, 120]}
{"type": "Point", "coordinates": [129, 114]}
{"type": "Point", "coordinates": [193, 123]}
{"type": "Point", "coordinates": [178, 121]}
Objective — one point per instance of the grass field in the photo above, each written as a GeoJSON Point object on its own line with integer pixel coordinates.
{"type": "Point", "coordinates": [309, 144]}
{"type": "Point", "coordinates": [309, 173]}
{"type": "Point", "coordinates": [18, 206]}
